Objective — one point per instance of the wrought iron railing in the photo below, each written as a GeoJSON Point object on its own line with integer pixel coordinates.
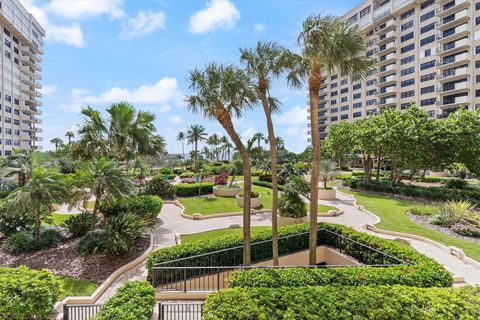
{"type": "Point", "coordinates": [80, 311]}
{"type": "Point", "coordinates": [180, 310]}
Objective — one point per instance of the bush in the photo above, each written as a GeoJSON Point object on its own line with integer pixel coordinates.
{"type": "Point", "coordinates": [113, 208]}
{"type": "Point", "coordinates": [466, 231]}
{"type": "Point", "coordinates": [134, 300]}
{"type": "Point", "coordinates": [27, 294]}
{"type": "Point", "coordinates": [433, 179]}
{"type": "Point", "coordinates": [291, 205]}
{"type": "Point", "coordinates": [455, 184]}
{"type": "Point", "coordinates": [92, 242]}
{"type": "Point", "coordinates": [421, 271]}
{"type": "Point", "coordinates": [165, 171]}
{"type": "Point", "coordinates": [187, 174]}
{"type": "Point", "coordinates": [265, 177]}
{"type": "Point", "coordinates": [192, 189]}
{"type": "Point", "coordinates": [422, 210]}
{"type": "Point", "coordinates": [253, 194]}
{"type": "Point", "coordinates": [159, 187]}
{"type": "Point", "coordinates": [343, 302]}
{"type": "Point", "coordinates": [221, 179]}
{"type": "Point", "coordinates": [24, 241]}
{"type": "Point", "coordinates": [11, 223]}
{"type": "Point", "coordinates": [78, 225]}
{"type": "Point", "coordinates": [452, 212]}
{"type": "Point", "coordinates": [267, 184]}
{"type": "Point", "coordinates": [146, 207]}
{"type": "Point", "coordinates": [121, 232]}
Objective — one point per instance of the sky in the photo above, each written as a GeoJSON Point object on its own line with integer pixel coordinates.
{"type": "Point", "coordinates": [99, 52]}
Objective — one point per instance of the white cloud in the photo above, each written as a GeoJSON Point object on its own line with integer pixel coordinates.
{"type": "Point", "coordinates": [163, 91]}
{"type": "Point", "coordinates": [296, 115]}
{"type": "Point", "coordinates": [142, 24]}
{"type": "Point", "coordinates": [48, 89]}
{"type": "Point", "coordinates": [217, 14]}
{"type": "Point", "coordinates": [76, 100]}
{"type": "Point", "coordinates": [164, 109]}
{"type": "Point", "coordinates": [80, 9]}
{"type": "Point", "coordinates": [175, 119]}
{"type": "Point", "coordinates": [259, 27]}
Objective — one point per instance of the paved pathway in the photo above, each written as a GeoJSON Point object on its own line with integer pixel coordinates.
{"type": "Point", "coordinates": [172, 222]}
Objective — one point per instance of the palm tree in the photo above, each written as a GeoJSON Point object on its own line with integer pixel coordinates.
{"type": "Point", "coordinates": [103, 179]}
{"type": "Point", "coordinates": [259, 137]}
{"type": "Point", "coordinates": [22, 164]}
{"type": "Point", "coordinates": [69, 135]}
{"type": "Point", "coordinates": [181, 137]}
{"type": "Point", "coordinates": [196, 133]}
{"type": "Point", "coordinates": [93, 141]}
{"type": "Point", "coordinates": [327, 168]}
{"type": "Point", "coordinates": [57, 142]}
{"type": "Point", "coordinates": [220, 92]}
{"type": "Point", "coordinates": [328, 45]}
{"type": "Point", "coordinates": [37, 196]}
{"type": "Point", "coordinates": [265, 62]}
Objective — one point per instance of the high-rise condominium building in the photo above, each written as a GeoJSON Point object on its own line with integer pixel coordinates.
{"type": "Point", "coordinates": [21, 44]}
{"type": "Point", "coordinates": [426, 52]}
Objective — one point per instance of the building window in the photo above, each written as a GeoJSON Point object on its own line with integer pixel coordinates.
{"type": "Point", "coordinates": [333, 85]}
{"type": "Point", "coordinates": [427, 15]}
{"type": "Point", "coordinates": [334, 110]}
{"type": "Point", "coordinates": [371, 92]}
{"type": "Point", "coordinates": [357, 105]}
{"type": "Point", "coordinates": [16, 60]}
{"type": "Point", "coordinates": [333, 77]}
{"type": "Point", "coordinates": [357, 114]}
{"type": "Point", "coordinates": [357, 86]}
{"type": "Point", "coordinates": [333, 93]}
{"type": "Point", "coordinates": [477, 20]}
{"type": "Point", "coordinates": [365, 11]}
{"type": "Point", "coordinates": [334, 118]}
{"type": "Point", "coordinates": [477, 49]}
{"type": "Point", "coordinates": [8, 152]}
{"type": "Point", "coordinates": [428, 52]}
{"type": "Point", "coordinates": [405, 105]}
{"type": "Point", "coordinates": [7, 43]}
{"type": "Point", "coordinates": [427, 65]}
{"type": "Point", "coordinates": [8, 98]}
{"type": "Point", "coordinates": [428, 89]}
{"type": "Point", "coordinates": [406, 37]}
{"type": "Point", "coordinates": [427, 28]}
{"type": "Point", "coordinates": [8, 109]}
{"type": "Point", "coordinates": [344, 108]}
{"type": "Point", "coordinates": [16, 132]}
{"type": "Point", "coordinates": [407, 94]}
{"type": "Point", "coordinates": [6, 32]}
{"type": "Point", "coordinates": [16, 122]}
{"type": "Point", "coordinates": [477, 6]}
{"type": "Point", "coordinates": [343, 82]}
{"type": "Point", "coordinates": [477, 93]}
{"type": "Point", "coordinates": [407, 25]}
{"type": "Point", "coordinates": [8, 120]}
{"type": "Point", "coordinates": [7, 54]}
{"type": "Point", "coordinates": [8, 142]}
{"type": "Point", "coordinates": [371, 102]}
{"type": "Point", "coordinates": [427, 4]}
{"type": "Point", "coordinates": [344, 99]}
{"type": "Point", "coordinates": [334, 101]}
{"type": "Point", "coordinates": [428, 102]}
{"type": "Point", "coordinates": [344, 117]}
{"type": "Point", "coordinates": [407, 14]}
{"type": "Point", "coordinates": [406, 83]}
{"type": "Point", "coordinates": [371, 82]}
{"type": "Point", "coordinates": [427, 40]}
{"type": "Point", "coordinates": [407, 48]}
{"type": "Point", "coordinates": [427, 77]}
{"type": "Point", "coordinates": [353, 18]}
{"type": "Point", "coordinates": [357, 96]}
{"type": "Point", "coordinates": [344, 90]}
{"type": "Point", "coordinates": [16, 112]}
{"type": "Point", "coordinates": [407, 59]}
{"type": "Point", "coordinates": [406, 71]}
{"type": "Point", "coordinates": [8, 131]}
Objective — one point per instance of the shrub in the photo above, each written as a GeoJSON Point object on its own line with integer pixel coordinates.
{"type": "Point", "coordinates": [343, 302]}
{"type": "Point", "coordinates": [466, 231]}
{"type": "Point", "coordinates": [455, 184]}
{"type": "Point", "coordinates": [452, 212]}
{"type": "Point", "coordinates": [165, 171]}
{"type": "Point", "coordinates": [78, 225]}
{"type": "Point", "coordinates": [421, 271]}
{"type": "Point", "coordinates": [265, 177]}
{"type": "Point", "coordinates": [422, 210]}
{"type": "Point", "coordinates": [146, 207]}
{"type": "Point", "coordinates": [192, 189]}
{"type": "Point", "coordinates": [187, 174]}
{"type": "Point", "coordinates": [11, 223]}
{"type": "Point", "coordinates": [159, 187]}
{"type": "Point", "coordinates": [92, 242]}
{"type": "Point", "coordinates": [221, 179]}
{"type": "Point", "coordinates": [267, 184]}
{"type": "Point", "coordinates": [113, 208]}
{"type": "Point", "coordinates": [134, 300]}
{"type": "Point", "coordinates": [291, 205]}
{"type": "Point", "coordinates": [27, 294]}
{"type": "Point", "coordinates": [24, 241]}
{"type": "Point", "coordinates": [253, 194]}
{"type": "Point", "coordinates": [433, 179]}
{"type": "Point", "coordinates": [121, 232]}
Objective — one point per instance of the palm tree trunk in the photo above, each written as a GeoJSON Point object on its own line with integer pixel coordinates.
{"type": "Point", "coordinates": [273, 156]}
{"type": "Point", "coordinates": [379, 157]}
{"type": "Point", "coordinates": [225, 120]}
{"type": "Point", "coordinates": [95, 209]}
{"type": "Point", "coordinates": [313, 87]}
{"type": "Point", "coordinates": [196, 156]}
{"type": "Point", "coordinates": [37, 223]}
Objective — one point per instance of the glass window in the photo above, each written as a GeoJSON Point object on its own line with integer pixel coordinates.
{"type": "Point", "coordinates": [344, 108]}
{"type": "Point", "coordinates": [427, 77]}
{"type": "Point", "coordinates": [407, 14]}
{"type": "Point", "coordinates": [357, 96]}
{"type": "Point", "coordinates": [428, 89]}
{"type": "Point", "coordinates": [428, 102]}
{"type": "Point", "coordinates": [344, 117]}
{"type": "Point", "coordinates": [406, 37]}
{"type": "Point", "coordinates": [407, 48]}
{"type": "Point", "coordinates": [427, 15]}
{"type": "Point", "coordinates": [427, 40]}
{"type": "Point", "coordinates": [408, 82]}
{"type": "Point", "coordinates": [408, 59]}
{"type": "Point", "coordinates": [407, 25]}
{"type": "Point", "coordinates": [427, 65]}
{"type": "Point", "coordinates": [427, 4]}
{"type": "Point", "coordinates": [407, 71]}
{"type": "Point", "coordinates": [357, 114]}
{"type": "Point", "coordinates": [357, 105]}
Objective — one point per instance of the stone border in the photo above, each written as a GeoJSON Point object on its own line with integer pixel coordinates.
{"type": "Point", "coordinates": [451, 250]}
{"type": "Point", "coordinates": [105, 285]}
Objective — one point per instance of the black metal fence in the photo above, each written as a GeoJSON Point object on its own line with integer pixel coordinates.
{"type": "Point", "coordinates": [180, 311]}
{"type": "Point", "coordinates": [80, 311]}
{"type": "Point", "coordinates": [209, 271]}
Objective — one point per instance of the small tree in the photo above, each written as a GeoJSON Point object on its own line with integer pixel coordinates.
{"type": "Point", "coordinates": [327, 169]}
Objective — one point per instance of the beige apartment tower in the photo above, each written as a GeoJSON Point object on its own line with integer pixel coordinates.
{"type": "Point", "coordinates": [21, 43]}
{"type": "Point", "coordinates": [426, 52]}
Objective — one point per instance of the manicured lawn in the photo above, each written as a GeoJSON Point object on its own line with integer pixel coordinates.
{"type": "Point", "coordinates": [194, 237]}
{"type": "Point", "coordinates": [322, 208]}
{"type": "Point", "coordinates": [90, 204]}
{"type": "Point", "coordinates": [392, 214]}
{"type": "Point", "coordinates": [76, 287]}
{"type": "Point", "coordinates": [58, 219]}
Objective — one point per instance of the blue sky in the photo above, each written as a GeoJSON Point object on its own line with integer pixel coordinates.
{"type": "Point", "coordinates": [102, 51]}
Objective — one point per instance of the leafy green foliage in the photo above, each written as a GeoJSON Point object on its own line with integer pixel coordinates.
{"type": "Point", "coordinates": [192, 189]}
{"type": "Point", "coordinates": [291, 205]}
{"type": "Point", "coordinates": [452, 212]}
{"type": "Point", "coordinates": [27, 294]}
{"type": "Point", "coordinates": [79, 224]}
{"type": "Point", "coordinates": [343, 302]}
{"type": "Point", "coordinates": [267, 185]}
{"type": "Point", "coordinates": [455, 184]}
{"type": "Point", "coordinates": [25, 241]}
{"type": "Point", "coordinates": [92, 242]}
{"type": "Point", "coordinates": [467, 231]}
{"type": "Point", "coordinates": [146, 207]}
{"type": "Point", "coordinates": [165, 171]}
{"type": "Point", "coordinates": [422, 210]}
{"type": "Point", "coordinates": [134, 300]}
{"type": "Point", "coordinates": [159, 187]}
{"type": "Point", "coordinates": [11, 222]}
{"type": "Point", "coordinates": [121, 232]}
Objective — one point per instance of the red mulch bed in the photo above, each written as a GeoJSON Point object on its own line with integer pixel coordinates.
{"type": "Point", "coordinates": [64, 260]}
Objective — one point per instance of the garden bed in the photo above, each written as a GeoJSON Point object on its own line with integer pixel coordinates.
{"type": "Point", "coordinates": [63, 260]}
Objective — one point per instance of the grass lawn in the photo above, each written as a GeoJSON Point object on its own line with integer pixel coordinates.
{"type": "Point", "coordinates": [392, 214]}
{"type": "Point", "coordinates": [90, 205]}
{"type": "Point", "coordinates": [58, 219]}
{"type": "Point", "coordinates": [76, 287]}
{"type": "Point", "coordinates": [194, 237]}
{"type": "Point", "coordinates": [322, 208]}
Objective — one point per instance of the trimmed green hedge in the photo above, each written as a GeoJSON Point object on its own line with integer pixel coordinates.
{"type": "Point", "coordinates": [343, 302]}
{"type": "Point", "coordinates": [191, 189]}
{"type": "Point", "coordinates": [423, 271]}
{"type": "Point", "coordinates": [134, 300]}
{"type": "Point", "coordinates": [27, 294]}
{"type": "Point", "coordinates": [267, 184]}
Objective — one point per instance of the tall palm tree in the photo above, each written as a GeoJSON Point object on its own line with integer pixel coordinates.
{"type": "Point", "coordinates": [22, 164]}
{"type": "Point", "coordinates": [69, 135]}
{"type": "Point", "coordinates": [181, 137]}
{"type": "Point", "coordinates": [57, 142]}
{"type": "Point", "coordinates": [103, 179]}
{"type": "Point", "coordinates": [196, 133]}
{"type": "Point", "coordinates": [265, 62]}
{"type": "Point", "coordinates": [220, 92]}
{"type": "Point", "coordinates": [328, 44]}
{"type": "Point", "coordinates": [93, 138]}
{"type": "Point", "coordinates": [37, 195]}
{"type": "Point", "coordinates": [259, 137]}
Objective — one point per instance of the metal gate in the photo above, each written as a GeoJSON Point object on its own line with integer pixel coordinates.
{"type": "Point", "coordinates": [180, 310]}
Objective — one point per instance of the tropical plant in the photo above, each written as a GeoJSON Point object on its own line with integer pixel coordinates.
{"type": "Point", "coordinates": [70, 135]}
{"type": "Point", "coordinates": [196, 133]}
{"type": "Point", "coordinates": [79, 224]}
{"type": "Point", "coordinates": [328, 45]}
{"type": "Point", "coordinates": [45, 188]}
{"type": "Point", "coordinates": [327, 170]}
{"type": "Point", "coordinates": [102, 179]}
{"type": "Point", "coordinates": [21, 164]}
{"type": "Point", "coordinates": [57, 142]}
{"type": "Point", "coordinates": [181, 137]}
{"type": "Point", "coordinates": [159, 187]}
{"type": "Point", "coordinates": [220, 92]}
{"type": "Point", "coordinates": [121, 232]}
{"type": "Point", "coordinates": [452, 212]}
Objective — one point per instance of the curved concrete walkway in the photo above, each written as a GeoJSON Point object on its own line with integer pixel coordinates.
{"type": "Point", "coordinates": [172, 222]}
